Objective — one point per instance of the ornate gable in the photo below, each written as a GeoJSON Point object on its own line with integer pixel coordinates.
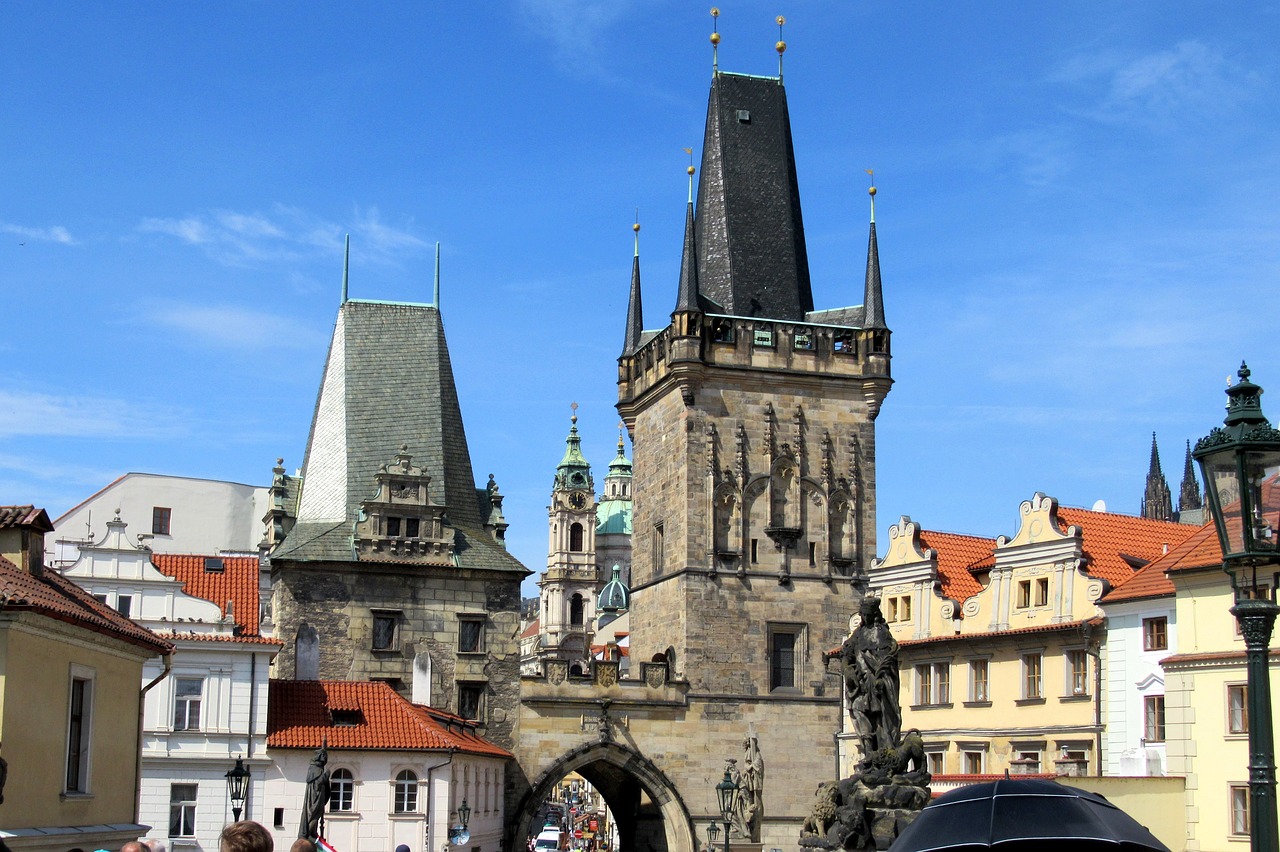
{"type": "Point", "coordinates": [400, 523]}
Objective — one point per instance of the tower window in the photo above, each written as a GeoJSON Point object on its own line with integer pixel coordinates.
{"type": "Point", "coordinates": [412, 526]}
{"type": "Point", "coordinates": [659, 548]}
{"type": "Point", "coordinates": [471, 635]}
{"type": "Point", "coordinates": [784, 645]}
{"type": "Point", "coordinates": [575, 538]}
{"type": "Point", "coordinates": [384, 631]}
{"type": "Point", "coordinates": [575, 611]}
{"type": "Point", "coordinates": [755, 549]}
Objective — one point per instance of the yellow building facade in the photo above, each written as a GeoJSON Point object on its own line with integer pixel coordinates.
{"type": "Point", "coordinates": [999, 639]}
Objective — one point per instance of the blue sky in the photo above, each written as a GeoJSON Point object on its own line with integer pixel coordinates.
{"type": "Point", "coordinates": [1077, 218]}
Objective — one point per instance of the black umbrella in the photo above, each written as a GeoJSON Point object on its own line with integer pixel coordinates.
{"type": "Point", "coordinates": [1023, 814]}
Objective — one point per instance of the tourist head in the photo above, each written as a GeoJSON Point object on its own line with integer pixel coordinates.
{"type": "Point", "coordinates": [302, 844]}
{"type": "Point", "coordinates": [155, 844]}
{"type": "Point", "coordinates": [245, 836]}
{"type": "Point", "coordinates": [134, 846]}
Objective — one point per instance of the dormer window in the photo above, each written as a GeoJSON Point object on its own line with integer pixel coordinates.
{"type": "Point", "coordinates": [346, 718]}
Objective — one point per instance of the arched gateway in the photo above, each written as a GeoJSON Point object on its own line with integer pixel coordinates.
{"type": "Point", "coordinates": [648, 810]}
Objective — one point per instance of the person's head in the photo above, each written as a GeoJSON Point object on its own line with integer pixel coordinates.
{"type": "Point", "coordinates": [155, 844]}
{"type": "Point", "coordinates": [402, 848]}
{"type": "Point", "coordinates": [245, 836]}
{"type": "Point", "coordinates": [133, 846]}
{"type": "Point", "coordinates": [870, 610]}
{"type": "Point", "coordinates": [302, 844]}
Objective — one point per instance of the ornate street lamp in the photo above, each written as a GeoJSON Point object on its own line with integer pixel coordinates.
{"type": "Point", "coordinates": [1240, 463]}
{"type": "Point", "coordinates": [237, 786]}
{"type": "Point", "coordinates": [725, 791]}
{"type": "Point", "coordinates": [464, 814]}
{"type": "Point", "coordinates": [713, 831]}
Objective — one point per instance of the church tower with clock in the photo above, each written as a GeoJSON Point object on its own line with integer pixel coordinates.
{"type": "Point", "coordinates": [568, 586]}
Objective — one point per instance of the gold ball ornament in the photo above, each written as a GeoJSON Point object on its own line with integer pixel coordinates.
{"type": "Point", "coordinates": [715, 12]}
{"type": "Point", "coordinates": [636, 227]}
{"type": "Point", "coordinates": [715, 38]}
{"type": "Point", "coordinates": [781, 47]}
{"type": "Point", "coordinates": [781, 20]}
{"type": "Point", "coordinates": [690, 170]}
{"type": "Point", "coordinates": [871, 191]}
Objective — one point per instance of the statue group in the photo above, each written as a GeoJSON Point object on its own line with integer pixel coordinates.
{"type": "Point", "coordinates": [890, 785]}
{"type": "Point", "coordinates": [747, 812]}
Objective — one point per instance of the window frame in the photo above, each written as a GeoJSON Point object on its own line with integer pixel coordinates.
{"type": "Point", "coordinates": [1041, 592]}
{"type": "Point", "coordinates": [1153, 724]}
{"type": "Point", "coordinates": [1024, 594]}
{"type": "Point", "coordinates": [405, 792]}
{"type": "Point", "coordinates": [967, 756]}
{"type": "Point", "coordinates": [188, 700]}
{"type": "Point", "coordinates": [184, 809]}
{"type": "Point", "coordinates": [985, 696]}
{"type": "Point", "coordinates": [162, 520]}
{"type": "Point", "coordinates": [78, 763]}
{"type": "Point", "coordinates": [342, 790]}
{"type": "Point", "coordinates": [773, 653]}
{"type": "Point", "coordinates": [933, 683]}
{"type": "Point", "coordinates": [1241, 727]}
{"type": "Point", "coordinates": [1077, 677]}
{"type": "Point", "coordinates": [468, 621]}
{"type": "Point", "coordinates": [477, 689]}
{"type": "Point", "coordinates": [1032, 675]}
{"type": "Point", "coordinates": [386, 616]}
{"type": "Point", "coordinates": [1238, 817]}
{"type": "Point", "coordinates": [1156, 627]}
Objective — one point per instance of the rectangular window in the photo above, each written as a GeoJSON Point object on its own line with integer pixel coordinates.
{"type": "Point", "coordinates": [384, 631]}
{"type": "Point", "coordinates": [1042, 591]}
{"type": "Point", "coordinates": [762, 337]}
{"type": "Point", "coordinates": [186, 703]}
{"type": "Point", "coordinates": [904, 609]}
{"type": "Point", "coordinates": [1024, 594]}
{"type": "Point", "coordinates": [470, 635]}
{"type": "Point", "coordinates": [755, 550]}
{"type": "Point", "coordinates": [1153, 718]}
{"type": "Point", "coordinates": [412, 526]}
{"type": "Point", "coordinates": [1237, 708]}
{"type": "Point", "coordinates": [1078, 669]}
{"type": "Point", "coordinates": [892, 615]}
{"type": "Point", "coordinates": [924, 684]}
{"type": "Point", "coordinates": [471, 701]}
{"type": "Point", "coordinates": [277, 818]}
{"type": "Point", "coordinates": [182, 810]}
{"type": "Point", "coordinates": [161, 520]}
{"type": "Point", "coordinates": [813, 553]}
{"type": "Point", "coordinates": [979, 673]}
{"type": "Point", "coordinates": [934, 760]}
{"type": "Point", "coordinates": [942, 682]}
{"type": "Point", "coordinates": [804, 340]}
{"type": "Point", "coordinates": [782, 659]}
{"type": "Point", "coordinates": [393, 527]}
{"type": "Point", "coordinates": [973, 762]}
{"type": "Point", "coordinates": [79, 730]}
{"type": "Point", "coordinates": [1031, 668]}
{"type": "Point", "coordinates": [124, 605]}
{"type": "Point", "coordinates": [1155, 634]}
{"type": "Point", "coordinates": [659, 548]}
{"type": "Point", "coordinates": [1240, 811]}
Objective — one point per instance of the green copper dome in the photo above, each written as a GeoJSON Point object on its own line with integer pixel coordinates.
{"type": "Point", "coordinates": [573, 470]}
{"type": "Point", "coordinates": [615, 596]}
{"type": "Point", "coordinates": [613, 516]}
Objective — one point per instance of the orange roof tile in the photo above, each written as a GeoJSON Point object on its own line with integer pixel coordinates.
{"type": "Point", "coordinates": [298, 716]}
{"type": "Point", "coordinates": [532, 629]}
{"type": "Point", "coordinates": [1201, 549]}
{"type": "Point", "coordinates": [236, 582]}
{"type": "Point", "coordinates": [217, 637]}
{"type": "Point", "coordinates": [1109, 537]}
{"type": "Point", "coordinates": [1149, 582]}
{"type": "Point", "coordinates": [957, 555]}
{"type": "Point", "coordinates": [54, 596]}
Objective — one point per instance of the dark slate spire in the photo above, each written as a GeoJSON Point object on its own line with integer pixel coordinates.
{"type": "Point", "coordinates": [873, 299]}
{"type": "Point", "coordinates": [635, 313]}
{"type": "Point", "coordinates": [1156, 501]}
{"type": "Point", "coordinates": [750, 245]}
{"type": "Point", "coordinates": [687, 295]}
{"type": "Point", "coordinates": [1190, 497]}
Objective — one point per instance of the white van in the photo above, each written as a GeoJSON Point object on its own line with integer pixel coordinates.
{"type": "Point", "coordinates": [548, 840]}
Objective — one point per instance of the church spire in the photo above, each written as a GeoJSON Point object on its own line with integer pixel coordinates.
{"type": "Point", "coordinates": [1157, 504]}
{"type": "Point", "coordinates": [873, 297]}
{"type": "Point", "coordinates": [1189, 497]}
{"type": "Point", "coordinates": [635, 313]}
{"type": "Point", "coordinates": [687, 295]}
{"type": "Point", "coordinates": [573, 470]}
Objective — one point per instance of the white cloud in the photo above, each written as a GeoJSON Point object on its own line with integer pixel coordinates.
{"type": "Point", "coordinates": [286, 235]}
{"type": "Point", "coordinates": [575, 28]}
{"type": "Point", "coordinates": [230, 327]}
{"type": "Point", "coordinates": [25, 413]}
{"type": "Point", "coordinates": [54, 234]}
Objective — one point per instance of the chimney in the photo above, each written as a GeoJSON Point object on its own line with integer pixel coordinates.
{"type": "Point", "coordinates": [22, 530]}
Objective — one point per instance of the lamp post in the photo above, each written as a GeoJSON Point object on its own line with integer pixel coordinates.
{"type": "Point", "coordinates": [464, 814]}
{"type": "Point", "coordinates": [725, 791]}
{"type": "Point", "coordinates": [237, 786]}
{"type": "Point", "coordinates": [1240, 463]}
{"type": "Point", "coordinates": [713, 831]}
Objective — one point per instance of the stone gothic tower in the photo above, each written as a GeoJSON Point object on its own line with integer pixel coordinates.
{"type": "Point", "coordinates": [752, 419]}
{"type": "Point", "coordinates": [568, 587]}
{"type": "Point", "coordinates": [1157, 503]}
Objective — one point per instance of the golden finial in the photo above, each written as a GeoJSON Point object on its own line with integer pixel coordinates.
{"type": "Point", "coordinates": [574, 417]}
{"type": "Point", "coordinates": [715, 40]}
{"type": "Point", "coordinates": [872, 193]}
{"type": "Point", "coordinates": [781, 46]}
{"type": "Point", "coordinates": [690, 170]}
{"type": "Point", "coordinates": [636, 228]}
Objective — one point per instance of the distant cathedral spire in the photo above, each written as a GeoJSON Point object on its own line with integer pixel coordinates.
{"type": "Point", "coordinates": [1157, 504]}
{"type": "Point", "coordinates": [1189, 497]}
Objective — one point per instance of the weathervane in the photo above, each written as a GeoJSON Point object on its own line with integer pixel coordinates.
{"type": "Point", "coordinates": [872, 193]}
{"type": "Point", "coordinates": [715, 41]}
{"type": "Point", "coordinates": [690, 170]}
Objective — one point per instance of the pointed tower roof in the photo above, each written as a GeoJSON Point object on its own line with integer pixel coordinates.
{"type": "Point", "coordinates": [573, 470]}
{"type": "Point", "coordinates": [620, 466]}
{"type": "Point", "coordinates": [687, 294]}
{"type": "Point", "coordinates": [1157, 503]}
{"type": "Point", "coordinates": [873, 298]}
{"type": "Point", "coordinates": [635, 312]}
{"type": "Point", "coordinates": [1189, 497]}
{"type": "Point", "coordinates": [388, 381]}
{"type": "Point", "coordinates": [751, 253]}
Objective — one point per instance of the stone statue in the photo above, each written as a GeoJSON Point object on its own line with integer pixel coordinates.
{"type": "Point", "coordinates": [316, 797]}
{"type": "Point", "coordinates": [737, 809]}
{"type": "Point", "coordinates": [751, 788]}
{"type": "Point", "coordinates": [869, 663]}
{"type": "Point", "coordinates": [890, 785]}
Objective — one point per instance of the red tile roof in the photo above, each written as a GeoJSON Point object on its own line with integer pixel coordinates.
{"type": "Point", "coordinates": [54, 596]}
{"type": "Point", "coordinates": [957, 557]}
{"type": "Point", "coordinates": [236, 582]}
{"type": "Point", "coordinates": [1200, 550]}
{"type": "Point", "coordinates": [299, 716]}
{"type": "Point", "coordinates": [1017, 631]}
{"type": "Point", "coordinates": [1108, 538]}
{"type": "Point", "coordinates": [219, 637]}
{"type": "Point", "coordinates": [25, 516]}
{"type": "Point", "coordinates": [532, 629]}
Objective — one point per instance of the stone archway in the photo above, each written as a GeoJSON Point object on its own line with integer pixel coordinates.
{"type": "Point", "coordinates": [625, 779]}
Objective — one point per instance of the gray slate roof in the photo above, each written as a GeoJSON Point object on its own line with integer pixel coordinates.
{"type": "Point", "coordinates": [752, 260]}
{"type": "Point", "coordinates": [387, 381]}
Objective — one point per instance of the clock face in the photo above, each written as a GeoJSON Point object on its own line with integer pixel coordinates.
{"type": "Point", "coordinates": [577, 500]}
